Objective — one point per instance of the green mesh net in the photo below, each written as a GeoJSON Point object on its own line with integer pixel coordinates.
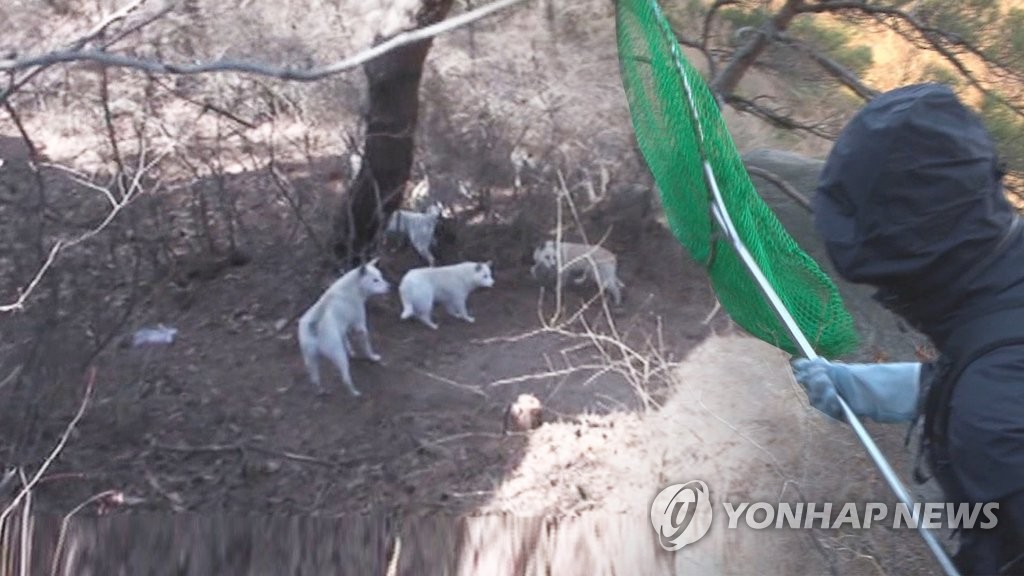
{"type": "Point", "coordinates": [672, 107]}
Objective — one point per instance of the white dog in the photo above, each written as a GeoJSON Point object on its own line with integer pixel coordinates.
{"type": "Point", "coordinates": [340, 313]}
{"type": "Point", "coordinates": [449, 285]}
{"type": "Point", "coordinates": [580, 263]}
{"type": "Point", "coordinates": [521, 160]}
{"type": "Point", "coordinates": [418, 227]}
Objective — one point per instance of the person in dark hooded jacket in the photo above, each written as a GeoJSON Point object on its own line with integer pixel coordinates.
{"type": "Point", "coordinates": [910, 201]}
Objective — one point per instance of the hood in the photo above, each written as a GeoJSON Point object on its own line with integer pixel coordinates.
{"type": "Point", "coordinates": [910, 201]}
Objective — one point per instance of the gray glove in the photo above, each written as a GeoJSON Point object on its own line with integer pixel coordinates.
{"type": "Point", "coordinates": [882, 392]}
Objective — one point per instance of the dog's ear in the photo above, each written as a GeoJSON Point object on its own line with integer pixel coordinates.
{"type": "Point", "coordinates": [478, 267]}
{"type": "Point", "coordinates": [362, 270]}
{"type": "Point", "coordinates": [373, 262]}
{"type": "Point", "coordinates": [489, 263]}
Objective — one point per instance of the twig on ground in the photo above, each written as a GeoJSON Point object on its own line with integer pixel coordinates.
{"type": "Point", "coordinates": [472, 494]}
{"type": "Point", "coordinates": [8, 479]}
{"type": "Point", "coordinates": [12, 376]}
{"type": "Point", "coordinates": [321, 495]}
{"type": "Point", "coordinates": [242, 447]}
{"type": "Point", "coordinates": [177, 504]}
{"type": "Point", "coordinates": [291, 456]}
{"type": "Point", "coordinates": [714, 311]}
{"type": "Point", "coordinates": [466, 387]}
{"type": "Point", "coordinates": [26, 532]}
{"type": "Point", "coordinates": [542, 375]}
{"type": "Point", "coordinates": [201, 448]}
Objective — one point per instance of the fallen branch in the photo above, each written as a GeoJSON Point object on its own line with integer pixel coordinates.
{"type": "Point", "coordinates": [200, 449]}
{"type": "Point", "coordinates": [466, 387]}
{"type": "Point", "coordinates": [11, 377]}
{"type": "Point", "coordinates": [292, 456]}
{"type": "Point", "coordinates": [177, 503]}
{"type": "Point", "coordinates": [547, 374]}
{"type": "Point", "coordinates": [242, 447]}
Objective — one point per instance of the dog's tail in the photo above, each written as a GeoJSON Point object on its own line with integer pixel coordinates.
{"type": "Point", "coordinates": [308, 342]}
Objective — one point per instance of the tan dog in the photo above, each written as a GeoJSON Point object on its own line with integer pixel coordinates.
{"type": "Point", "coordinates": [580, 263]}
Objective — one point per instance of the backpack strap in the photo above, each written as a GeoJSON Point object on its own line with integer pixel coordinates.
{"type": "Point", "coordinates": [966, 344]}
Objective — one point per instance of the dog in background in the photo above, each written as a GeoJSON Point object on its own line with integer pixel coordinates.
{"type": "Point", "coordinates": [418, 227]}
{"type": "Point", "coordinates": [580, 263]}
{"type": "Point", "coordinates": [339, 315]}
{"type": "Point", "coordinates": [451, 285]}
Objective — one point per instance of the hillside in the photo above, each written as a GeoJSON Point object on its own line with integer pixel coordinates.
{"type": "Point", "coordinates": [195, 454]}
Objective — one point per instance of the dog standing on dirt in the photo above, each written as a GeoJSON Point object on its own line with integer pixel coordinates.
{"type": "Point", "coordinates": [340, 314]}
{"type": "Point", "coordinates": [449, 285]}
{"type": "Point", "coordinates": [580, 263]}
{"type": "Point", "coordinates": [418, 227]}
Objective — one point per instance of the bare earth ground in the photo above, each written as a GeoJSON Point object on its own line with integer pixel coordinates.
{"type": "Point", "coordinates": [427, 431]}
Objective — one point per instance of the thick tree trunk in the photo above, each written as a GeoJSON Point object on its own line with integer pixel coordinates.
{"type": "Point", "coordinates": [394, 81]}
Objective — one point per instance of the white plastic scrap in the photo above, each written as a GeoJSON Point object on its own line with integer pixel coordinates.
{"type": "Point", "coordinates": [159, 335]}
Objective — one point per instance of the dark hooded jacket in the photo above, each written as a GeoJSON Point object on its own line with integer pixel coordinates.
{"type": "Point", "coordinates": [911, 201]}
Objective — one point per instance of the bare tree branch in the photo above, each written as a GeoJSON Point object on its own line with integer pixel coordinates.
{"type": "Point", "coordinates": [131, 190]}
{"type": "Point", "coordinates": [34, 156]}
{"type": "Point", "coordinates": [941, 41]}
{"type": "Point", "coordinates": [27, 489]}
{"type": "Point", "coordinates": [205, 105]}
{"type": "Point", "coordinates": [776, 117]}
{"type": "Point", "coordinates": [702, 43]}
{"type": "Point", "coordinates": [247, 67]}
{"type": "Point", "coordinates": [705, 35]}
{"type": "Point", "coordinates": [951, 47]}
{"type": "Point", "coordinates": [109, 21]}
{"type": "Point", "coordinates": [142, 23]}
{"type": "Point", "coordinates": [782, 184]}
{"type": "Point", "coordinates": [108, 122]}
{"type": "Point", "coordinates": [287, 190]}
{"type": "Point", "coordinates": [834, 69]}
{"type": "Point", "coordinates": [81, 41]}
{"type": "Point", "coordinates": [726, 82]}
